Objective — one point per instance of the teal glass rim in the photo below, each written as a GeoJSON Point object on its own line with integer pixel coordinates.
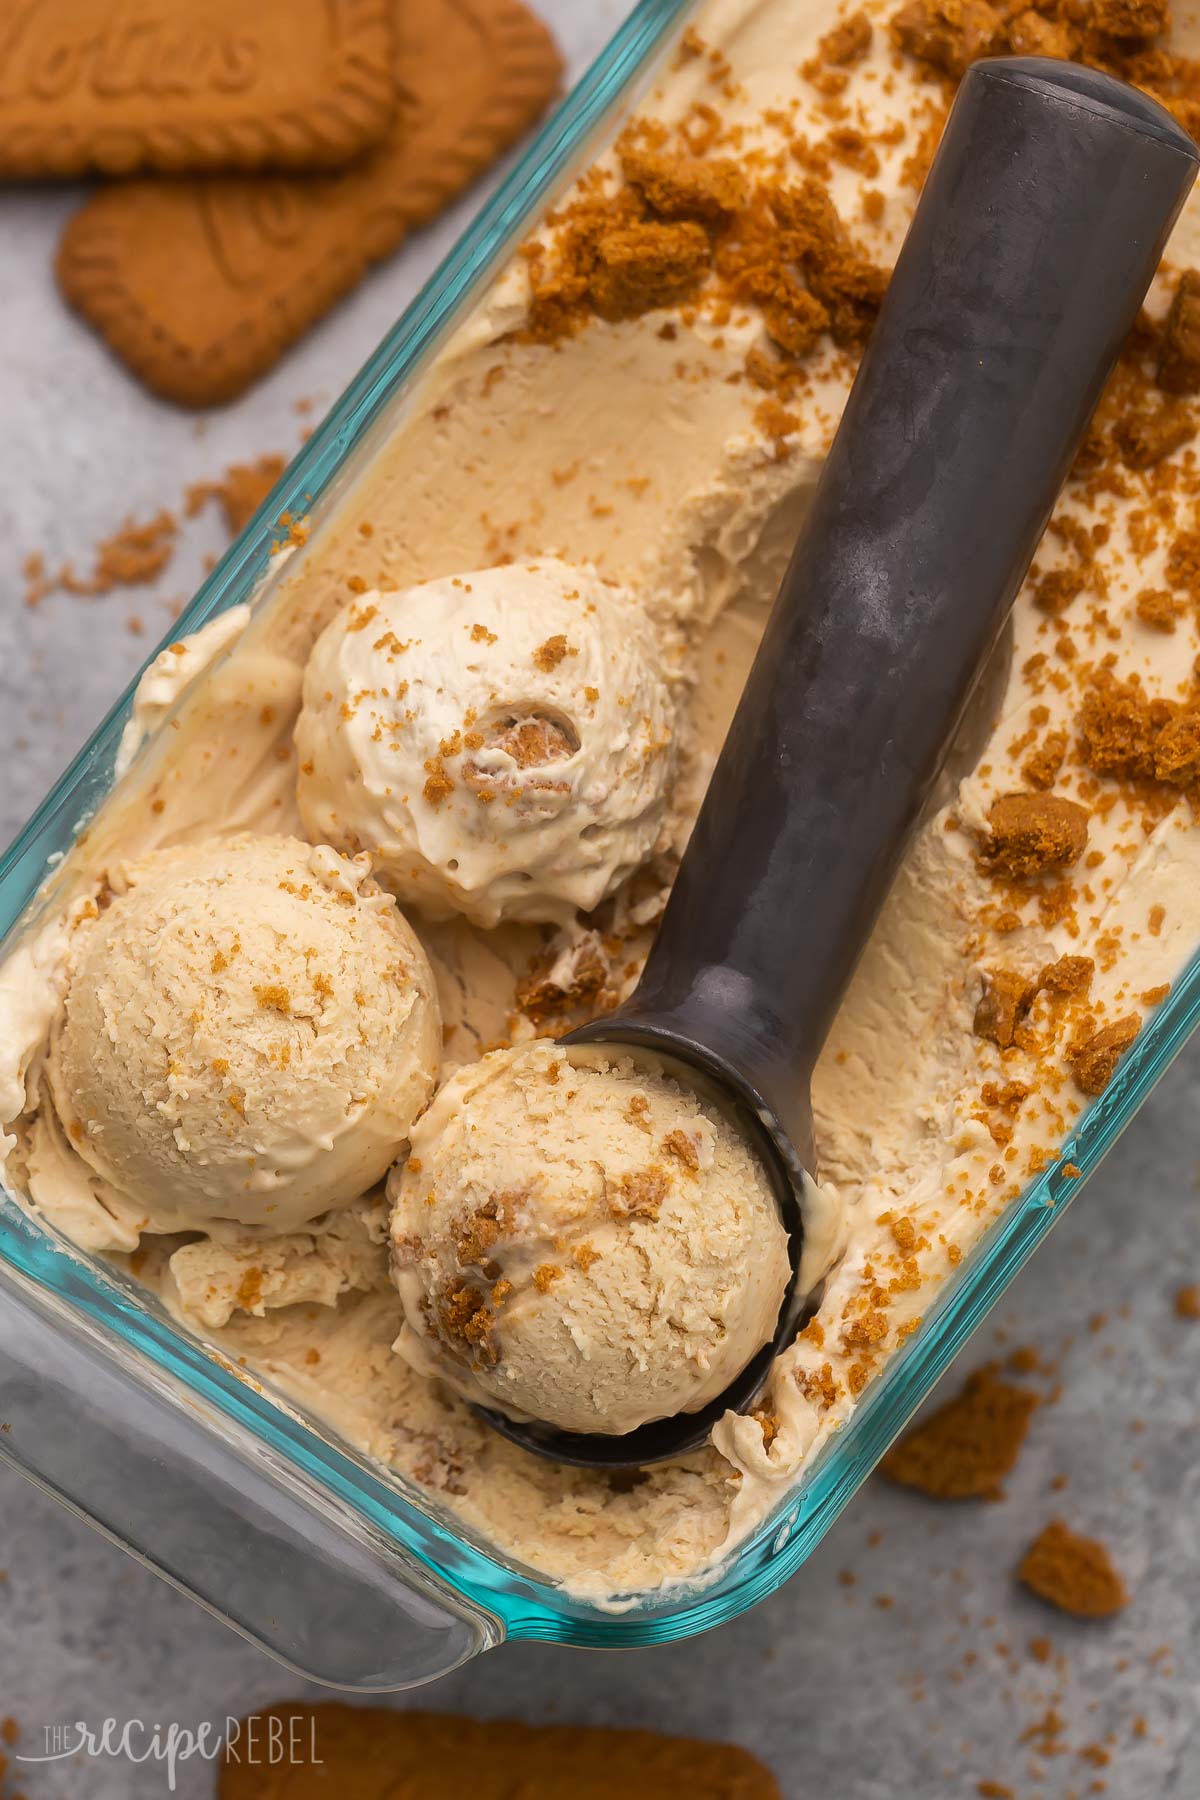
{"type": "Point", "coordinates": [518, 1603]}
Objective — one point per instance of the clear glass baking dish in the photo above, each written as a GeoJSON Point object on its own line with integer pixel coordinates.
{"type": "Point", "coordinates": [307, 1548]}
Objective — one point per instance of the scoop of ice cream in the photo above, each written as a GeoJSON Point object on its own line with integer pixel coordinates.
{"type": "Point", "coordinates": [249, 1030]}
{"type": "Point", "coordinates": [501, 742]}
{"type": "Point", "coordinates": [580, 1241]}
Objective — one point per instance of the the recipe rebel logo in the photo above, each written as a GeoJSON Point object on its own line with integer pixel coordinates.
{"type": "Point", "coordinates": [264, 1740]}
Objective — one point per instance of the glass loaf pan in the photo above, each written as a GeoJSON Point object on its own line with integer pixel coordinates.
{"type": "Point", "coordinates": [310, 1550]}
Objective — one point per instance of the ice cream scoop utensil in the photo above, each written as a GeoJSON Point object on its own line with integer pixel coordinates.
{"type": "Point", "coordinates": [1036, 237]}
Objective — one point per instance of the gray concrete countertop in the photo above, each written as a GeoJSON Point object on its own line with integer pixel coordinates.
{"type": "Point", "coordinates": [897, 1661]}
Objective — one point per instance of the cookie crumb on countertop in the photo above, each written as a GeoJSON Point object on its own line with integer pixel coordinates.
{"type": "Point", "coordinates": [1074, 1573]}
{"type": "Point", "coordinates": [1187, 1303]}
{"type": "Point", "coordinates": [964, 1449]}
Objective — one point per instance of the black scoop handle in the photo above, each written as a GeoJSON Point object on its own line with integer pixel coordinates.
{"type": "Point", "coordinates": [1040, 227]}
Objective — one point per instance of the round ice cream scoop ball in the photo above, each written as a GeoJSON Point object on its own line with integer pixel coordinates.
{"type": "Point", "coordinates": [581, 1242]}
{"type": "Point", "coordinates": [249, 1031]}
{"type": "Point", "coordinates": [501, 742]}
{"type": "Point", "coordinates": [984, 365]}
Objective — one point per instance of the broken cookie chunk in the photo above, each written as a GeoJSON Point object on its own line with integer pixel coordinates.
{"type": "Point", "coordinates": [950, 34]}
{"type": "Point", "coordinates": [1006, 999]}
{"type": "Point", "coordinates": [1030, 833]}
{"type": "Point", "coordinates": [1094, 1060]}
{"type": "Point", "coordinates": [1074, 1573]}
{"type": "Point", "coordinates": [1179, 353]}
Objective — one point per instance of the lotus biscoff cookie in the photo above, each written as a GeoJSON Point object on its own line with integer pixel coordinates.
{"type": "Point", "coordinates": [200, 286]}
{"type": "Point", "coordinates": [167, 85]}
{"type": "Point", "coordinates": [366, 1753]}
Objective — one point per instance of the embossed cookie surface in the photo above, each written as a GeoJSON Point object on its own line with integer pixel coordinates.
{"type": "Point", "coordinates": [201, 285]}
{"type": "Point", "coordinates": [185, 85]}
{"type": "Point", "coordinates": [365, 1753]}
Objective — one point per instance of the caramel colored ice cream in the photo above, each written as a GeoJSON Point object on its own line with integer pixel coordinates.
{"type": "Point", "coordinates": [501, 742]}
{"type": "Point", "coordinates": [249, 1030]}
{"type": "Point", "coordinates": [579, 1241]}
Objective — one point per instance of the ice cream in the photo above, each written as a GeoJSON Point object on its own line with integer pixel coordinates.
{"type": "Point", "coordinates": [248, 1032]}
{"type": "Point", "coordinates": [578, 1240]}
{"type": "Point", "coordinates": [501, 742]}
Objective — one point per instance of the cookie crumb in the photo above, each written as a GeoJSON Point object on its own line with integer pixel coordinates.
{"type": "Point", "coordinates": [1158, 609]}
{"type": "Point", "coordinates": [678, 1144]}
{"type": "Point", "coordinates": [1074, 1573]}
{"type": "Point", "coordinates": [685, 187]}
{"type": "Point", "coordinates": [547, 656]}
{"type": "Point", "coordinates": [950, 34]}
{"type": "Point", "coordinates": [1144, 439]}
{"type": "Point", "coordinates": [964, 1449]}
{"type": "Point", "coordinates": [1094, 1060]}
{"type": "Point", "coordinates": [1131, 18]}
{"type": "Point", "coordinates": [1068, 976]}
{"type": "Point", "coordinates": [1179, 349]}
{"type": "Point", "coordinates": [848, 42]}
{"type": "Point", "coordinates": [1041, 767]}
{"type": "Point", "coordinates": [645, 265]}
{"type": "Point", "coordinates": [239, 492]}
{"type": "Point", "coordinates": [640, 1194]}
{"type": "Point", "coordinates": [1031, 833]}
{"type": "Point", "coordinates": [1006, 998]}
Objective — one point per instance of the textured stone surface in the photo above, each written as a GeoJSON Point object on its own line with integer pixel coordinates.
{"type": "Point", "coordinates": [848, 1697]}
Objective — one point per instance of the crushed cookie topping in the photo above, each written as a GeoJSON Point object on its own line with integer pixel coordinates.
{"type": "Point", "coordinates": [1158, 609]}
{"type": "Point", "coordinates": [1070, 975]}
{"type": "Point", "coordinates": [274, 996]}
{"type": "Point", "coordinates": [964, 1450]}
{"type": "Point", "coordinates": [1127, 735]}
{"type": "Point", "coordinates": [438, 785]}
{"type": "Point", "coordinates": [547, 656]}
{"type": "Point", "coordinates": [1042, 766]}
{"type": "Point", "coordinates": [949, 34]}
{"type": "Point", "coordinates": [1054, 591]}
{"type": "Point", "coordinates": [685, 187]}
{"type": "Point", "coordinates": [1007, 997]}
{"type": "Point", "coordinates": [1094, 1059]}
{"type": "Point", "coordinates": [466, 1320]}
{"type": "Point", "coordinates": [639, 1194]}
{"type": "Point", "coordinates": [359, 617]}
{"type": "Point", "coordinates": [687, 227]}
{"type": "Point", "coordinates": [476, 1234]}
{"type": "Point", "coordinates": [532, 742]}
{"type": "Point", "coordinates": [1179, 348]}
{"type": "Point", "coordinates": [767, 1423]}
{"type": "Point", "coordinates": [561, 986]}
{"type": "Point", "coordinates": [847, 42]}
{"type": "Point", "coordinates": [678, 1144]}
{"type": "Point", "coordinates": [1033, 833]}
